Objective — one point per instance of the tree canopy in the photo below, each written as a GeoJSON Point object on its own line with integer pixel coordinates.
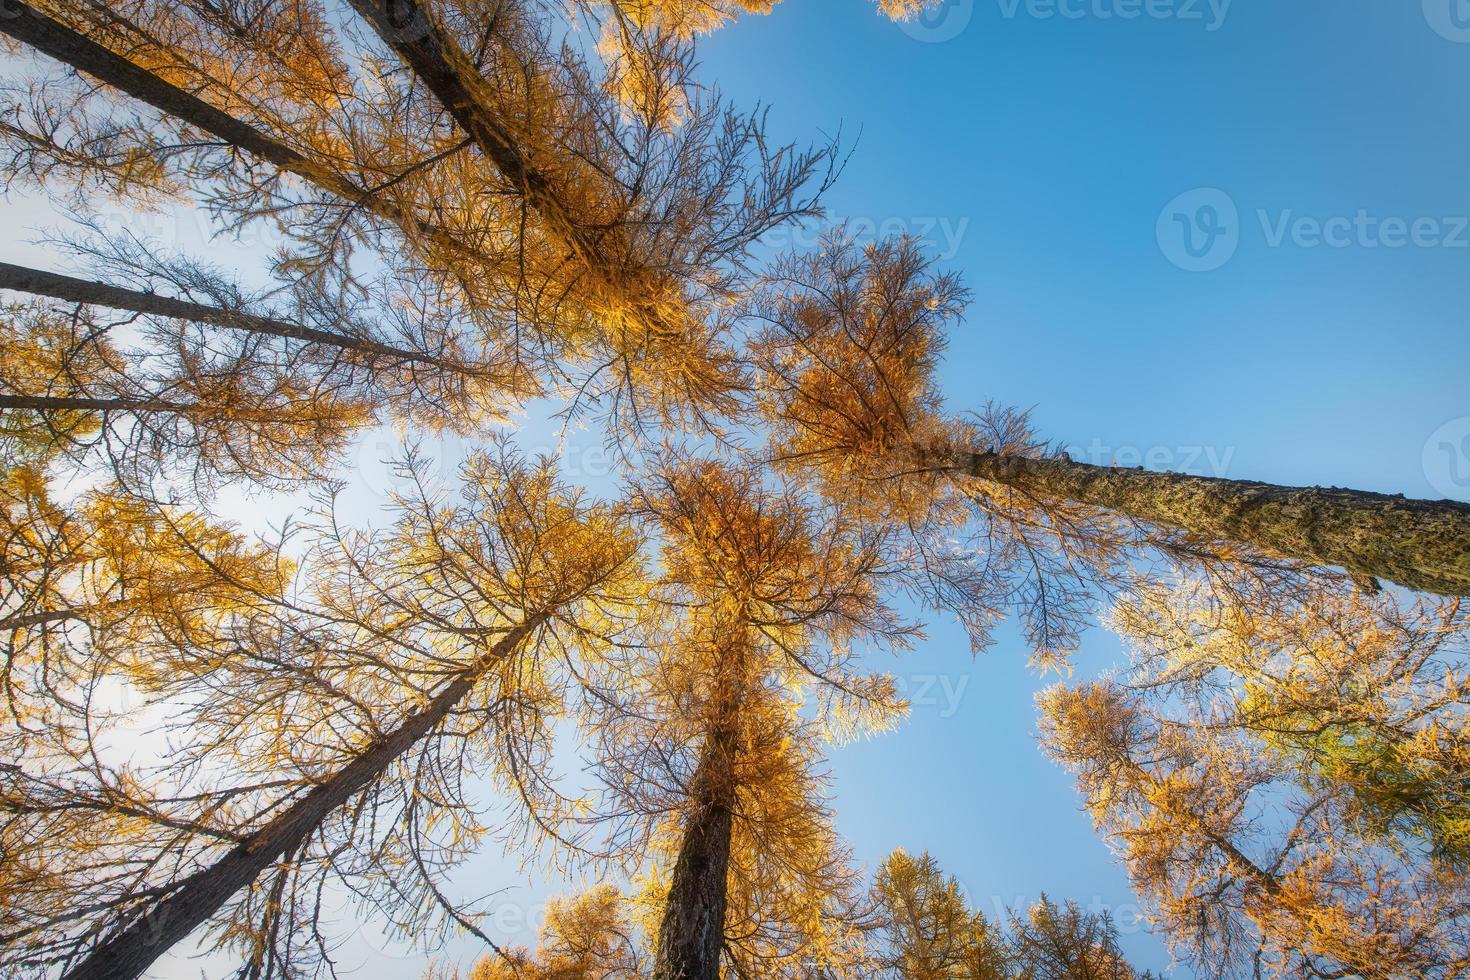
{"type": "Point", "coordinates": [488, 208]}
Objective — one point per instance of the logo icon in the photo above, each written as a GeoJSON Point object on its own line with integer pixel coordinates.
{"type": "Point", "coordinates": [1199, 231]}
{"type": "Point", "coordinates": [942, 21]}
{"type": "Point", "coordinates": [1447, 459]}
{"type": "Point", "coordinates": [1449, 18]}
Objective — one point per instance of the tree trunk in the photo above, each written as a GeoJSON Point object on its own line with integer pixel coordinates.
{"type": "Point", "coordinates": [30, 620]}
{"type": "Point", "coordinates": [47, 403]}
{"type": "Point", "coordinates": [132, 949]}
{"type": "Point", "coordinates": [452, 77]}
{"type": "Point", "coordinates": [448, 73]}
{"type": "Point", "coordinates": [74, 290]}
{"type": "Point", "coordinates": [692, 934]}
{"type": "Point", "coordinates": [1420, 544]}
{"type": "Point", "coordinates": [53, 38]}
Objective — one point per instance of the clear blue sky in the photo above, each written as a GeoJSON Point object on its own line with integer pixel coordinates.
{"type": "Point", "coordinates": [1046, 157]}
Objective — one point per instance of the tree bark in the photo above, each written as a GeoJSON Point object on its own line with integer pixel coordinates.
{"type": "Point", "coordinates": [133, 948]}
{"type": "Point", "coordinates": [1422, 545]}
{"type": "Point", "coordinates": [691, 936]}
{"type": "Point", "coordinates": [74, 290]}
{"type": "Point", "coordinates": [57, 40]}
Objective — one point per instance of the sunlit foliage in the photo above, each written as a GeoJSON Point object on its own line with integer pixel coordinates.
{"type": "Point", "coordinates": [388, 647]}
{"type": "Point", "coordinates": [1286, 785]}
{"type": "Point", "coordinates": [717, 726]}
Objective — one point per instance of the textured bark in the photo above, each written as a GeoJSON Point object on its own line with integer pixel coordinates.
{"type": "Point", "coordinates": [133, 948]}
{"type": "Point", "coordinates": [692, 933]}
{"type": "Point", "coordinates": [1422, 545]}
{"type": "Point", "coordinates": [57, 40]}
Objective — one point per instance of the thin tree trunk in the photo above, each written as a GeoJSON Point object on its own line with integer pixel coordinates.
{"type": "Point", "coordinates": [1420, 544]}
{"type": "Point", "coordinates": [452, 77]}
{"type": "Point", "coordinates": [29, 620]}
{"type": "Point", "coordinates": [57, 40]}
{"type": "Point", "coordinates": [48, 403]}
{"type": "Point", "coordinates": [131, 950]}
{"type": "Point", "coordinates": [73, 290]}
{"type": "Point", "coordinates": [692, 933]}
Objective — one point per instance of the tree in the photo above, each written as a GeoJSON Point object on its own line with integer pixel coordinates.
{"type": "Point", "coordinates": [849, 342]}
{"type": "Point", "coordinates": [343, 723]}
{"type": "Point", "coordinates": [234, 386]}
{"type": "Point", "coordinates": [708, 756]}
{"type": "Point", "coordinates": [1286, 785]}
{"type": "Point", "coordinates": [1053, 942]}
{"type": "Point", "coordinates": [605, 238]}
{"type": "Point", "coordinates": [924, 930]}
{"type": "Point", "coordinates": [585, 937]}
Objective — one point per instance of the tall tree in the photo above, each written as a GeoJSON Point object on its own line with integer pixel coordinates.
{"type": "Point", "coordinates": [196, 373]}
{"type": "Point", "coordinates": [850, 342]}
{"type": "Point", "coordinates": [925, 927]}
{"type": "Point", "coordinates": [330, 736]}
{"type": "Point", "coordinates": [585, 937]}
{"type": "Point", "coordinates": [925, 930]}
{"type": "Point", "coordinates": [663, 215]}
{"type": "Point", "coordinates": [707, 752]}
{"type": "Point", "coordinates": [1286, 785]}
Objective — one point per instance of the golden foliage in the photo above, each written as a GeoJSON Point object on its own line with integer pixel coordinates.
{"type": "Point", "coordinates": [1285, 784]}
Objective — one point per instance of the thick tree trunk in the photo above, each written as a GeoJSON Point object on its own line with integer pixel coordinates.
{"type": "Point", "coordinates": [57, 40]}
{"type": "Point", "coordinates": [692, 934]}
{"type": "Point", "coordinates": [131, 950]}
{"type": "Point", "coordinates": [75, 290]}
{"type": "Point", "coordinates": [1420, 544]}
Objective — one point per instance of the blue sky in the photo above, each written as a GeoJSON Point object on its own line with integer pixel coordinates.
{"type": "Point", "coordinates": [1310, 154]}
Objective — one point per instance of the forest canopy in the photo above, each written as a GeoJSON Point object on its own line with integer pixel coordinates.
{"type": "Point", "coordinates": [489, 211]}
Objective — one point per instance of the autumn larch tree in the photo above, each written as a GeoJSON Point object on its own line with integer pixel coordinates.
{"type": "Point", "coordinates": [924, 929]}
{"type": "Point", "coordinates": [600, 238]}
{"type": "Point", "coordinates": [584, 937]}
{"type": "Point", "coordinates": [849, 343]}
{"type": "Point", "coordinates": [322, 723]}
{"type": "Point", "coordinates": [711, 743]}
{"type": "Point", "coordinates": [1287, 786]}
